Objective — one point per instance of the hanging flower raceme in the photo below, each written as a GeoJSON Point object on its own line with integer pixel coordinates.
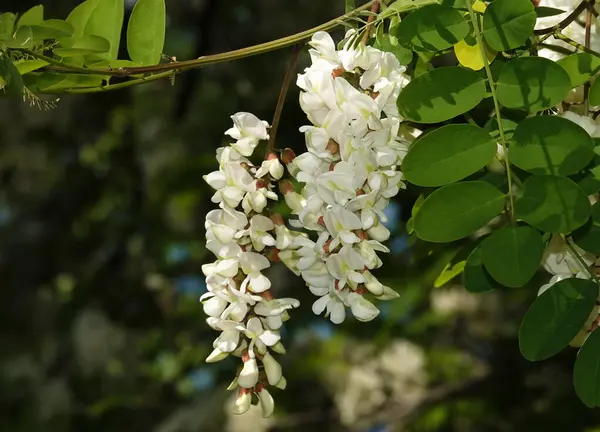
{"type": "Point", "coordinates": [349, 173]}
{"type": "Point", "coordinates": [239, 301]}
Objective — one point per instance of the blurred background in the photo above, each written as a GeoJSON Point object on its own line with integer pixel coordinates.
{"type": "Point", "coordinates": [102, 207]}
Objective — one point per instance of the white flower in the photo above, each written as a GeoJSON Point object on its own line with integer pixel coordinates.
{"type": "Point", "coordinates": [336, 311]}
{"type": "Point", "coordinates": [341, 223]}
{"type": "Point", "coordinates": [248, 130]}
{"type": "Point", "coordinates": [224, 223]}
{"type": "Point", "coordinates": [229, 338]}
{"type": "Point", "coordinates": [272, 167]}
{"type": "Point", "coordinates": [558, 259]}
{"type": "Point", "coordinates": [345, 266]}
{"type": "Point", "coordinates": [248, 376]}
{"type": "Point", "coordinates": [276, 306]}
{"type": "Point", "coordinates": [260, 337]}
{"type": "Point", "coordinates": [361, 308]}
{"type": "Point", "coordinates": [258, 232]}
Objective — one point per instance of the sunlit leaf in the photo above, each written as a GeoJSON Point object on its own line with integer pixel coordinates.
{"type": "Point", "coordinates": [532, 84]}
{"type": "Point", "coordinates": [551, 145]}
{"type": "Point", "coordinates": [457, 210]}
{"type": "Point", "coordinates": [441, 94]}
{"type": "Point", "coordinates": [146, 32]}
{"type": "Point", "coordinates": [507, 24]}
{"type": "Point", "coordinates": [448, 154]}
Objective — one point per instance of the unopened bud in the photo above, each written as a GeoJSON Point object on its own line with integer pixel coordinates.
{"type": "Point", "coordinates": [267, 404]}
{"type": "Point", "coordinates": [287, 155]}
{"type": "Point", "coordinates": [286, 186]}
{"type": "Point", "coordinates": [332, 147]}
{"type": "Point", "coordinates": [243, 401]}
{"type": "Point", "coordinates": [338, 72]}
{"type": "Point", "coordinates": [277, 219]}
{"type": "Point", "coordinates": [272, 368]}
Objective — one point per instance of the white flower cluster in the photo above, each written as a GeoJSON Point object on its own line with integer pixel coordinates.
{"type": "Point", "coordinates": [349, 173]}
{"type": "Point", "coordinates": [239, 302]}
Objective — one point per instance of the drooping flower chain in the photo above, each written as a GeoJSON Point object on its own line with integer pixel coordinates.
{"type": "Point", "coordinates": [239, 301]}
{"type": "Point", "coordinates": [349, 173]}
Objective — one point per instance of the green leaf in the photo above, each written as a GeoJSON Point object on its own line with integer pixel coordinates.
{"type": "Point", "coordinates": [594, 95]}
{"type": "Point", "coordinates": [552, 204]}
{"type": "Point", "coordinates": [350, 5]}
{"type": "Point", "coordinates": [532, 83]}
{"type": "Point", "coordinates": [448, 154]}
{"type": "Point", "coordinates": [586, 372]}
{"type": "Point", "coordinates": [441, 94]}
{"type": "Point", "coordinates": [86, 44]}
{"type": "Point", "coordinates": [545, 11]}
{"type": "Point", "coordinates": [508, 24]}
{"type": "Point", "coordinates": [10, 78]}
{"type": "Point", "coordinates": [385, 42]}
{"type": "Point", "coordinates": [31, 35]}
{"type": "Point", "coordinates": [551, 145]}
{"type": "Point", "coordinates": [455, 265]}
{"type": "Point", "coordinates": [33, 16]}
{"type": "Point", "coordinates": [581, 67]}
{"type": "Point", "coordinates": [588, 236]}
{"type": "Point", "coordinates": [49, 82]}
{"type": "Point", "coordinates": [101, 18]}
{"type": "Point", "coordinates": [476, 278]}
{"type": "Point", "coordinates": [146, 31]}
{"type": "Point", "coordinates": [512, 255]}
{"type": "Point", "coordinates": [27, 66]}
{"type": "Point", "coordinates": [432, 28]}
{"type": "Point", "coordinates": [457, 210]}
{"type": "Point", "coordinates": [555, 318]}
{"type": "Point", "coordinates": [7, 25]}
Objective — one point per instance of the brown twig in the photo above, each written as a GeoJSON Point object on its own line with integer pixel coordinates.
{"type": "Point", "coordinates": [588, 38]}
{"type": "Point", "coordinates": [287, 80]}
{"type": "Point", "coordinates": [564, 23]}
{"type": "Point", "coordinates": [374, 10]}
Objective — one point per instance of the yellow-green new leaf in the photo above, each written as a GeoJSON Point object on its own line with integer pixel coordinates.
{"type": "Point", "coordinates": [146, 32]}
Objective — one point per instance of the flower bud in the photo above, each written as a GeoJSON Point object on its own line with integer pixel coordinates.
{"type": "Point", "coordinates": [278, 348]}
{"type": "Point", "coordinates": [249, 375]}
{"type": "Point", "coordinates": [272, 368]}
{"type": "Point", "coordinates": [267, 404]}
{"type": "Point", "coordinates": [216, 355]}
{"type": "Point", "coordinates": [362, 308]}
{"type": "Point", "coordinates": [287, 155]}
{"type": "Point", "coordinates": [282, 384]}
{"type": "Point", "coordinates": [242, 402]}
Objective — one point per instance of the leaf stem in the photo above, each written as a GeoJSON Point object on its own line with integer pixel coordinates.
{"type": "Point", "coordinates": [59, 66]}
{"type": "Point", "coordinates": [490, 79]}
{"type": "Point", "coordinates": [575, 44]}
{"type": "Point", "coordinates": [571, 246]}
{"type": "Point", "coordinates": [119, 86]}
{"type": "Point", "coordinates": [287, 80]}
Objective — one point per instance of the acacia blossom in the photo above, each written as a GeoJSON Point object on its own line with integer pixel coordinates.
{"type": "Point", "coordinates": [239, 302]}
{"type": "Point", "coordinates": [350, 171]}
